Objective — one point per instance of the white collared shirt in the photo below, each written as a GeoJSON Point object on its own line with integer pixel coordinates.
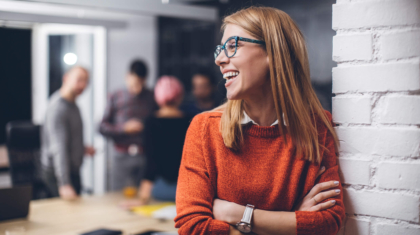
{"type": "Point", "coordinates": [247, 120]}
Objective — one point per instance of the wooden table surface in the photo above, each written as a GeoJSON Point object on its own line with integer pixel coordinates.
{"type": "Point", "coordinates": [56, 217]}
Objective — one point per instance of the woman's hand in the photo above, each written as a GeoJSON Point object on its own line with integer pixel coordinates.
{"type": "Point", "coordinates": [313, 200]}
{"type": "Point", "coordinates": [228, 212]}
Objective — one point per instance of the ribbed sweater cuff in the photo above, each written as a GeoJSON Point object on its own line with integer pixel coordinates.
{"type": "Point", "coordinates": [219, 228]}
{"type": "Point", "coordinates": [306, 223]}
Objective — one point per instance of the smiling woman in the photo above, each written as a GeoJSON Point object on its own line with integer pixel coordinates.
{"type": "Point", "coordinates": [265, 161]}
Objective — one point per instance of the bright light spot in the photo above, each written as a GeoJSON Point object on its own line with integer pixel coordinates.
{"type": "Point", "coordinates": [165, 1]}
{"type": "Point", "coordinates": [70, 58]}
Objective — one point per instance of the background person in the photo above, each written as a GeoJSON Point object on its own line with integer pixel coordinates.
{"type": "Point", "coordinates": [62, 148]}
{"type": "Point", "coordinates": [203, 98]}
{"type": "Point", "coordinates": [123, 122]}
{"type": "Point", "coordinates": [164, 140]}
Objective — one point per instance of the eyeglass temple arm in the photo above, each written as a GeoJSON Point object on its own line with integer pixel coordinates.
{"type": "Point", "coordinates": [251, 40]}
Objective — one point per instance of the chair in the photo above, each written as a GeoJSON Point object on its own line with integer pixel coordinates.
{"type": "Point", "coordinates": [23, 145]}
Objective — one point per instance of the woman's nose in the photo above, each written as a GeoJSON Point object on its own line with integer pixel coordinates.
{"type": "Point", "coordinates": [221, 59]}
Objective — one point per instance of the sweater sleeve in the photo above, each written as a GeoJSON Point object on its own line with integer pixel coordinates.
{"type": "Point", "coordinates": [325, 222]}
{"type": "Point", "coordinates": [195, 192]}
{"type": "Point", "coordinates": [58, 129]}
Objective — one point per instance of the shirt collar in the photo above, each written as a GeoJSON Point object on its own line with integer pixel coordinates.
{"type": "Point", "coordinates": [246, 119]}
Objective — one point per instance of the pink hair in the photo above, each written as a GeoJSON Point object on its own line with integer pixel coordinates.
{"type": "Point", "coordinates": [168, 90]}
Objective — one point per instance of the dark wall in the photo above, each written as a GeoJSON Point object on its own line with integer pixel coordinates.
{"type": "Point", "coordinates": [15, 77]}
{"type": "Point", "coordinates": [185, 46]}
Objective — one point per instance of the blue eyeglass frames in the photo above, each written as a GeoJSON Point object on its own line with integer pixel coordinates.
{"type": "Point", "coordinates": [231, 45]}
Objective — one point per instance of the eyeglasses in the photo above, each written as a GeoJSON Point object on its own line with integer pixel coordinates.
{"type": "Point", "coordinates": [231, 45]}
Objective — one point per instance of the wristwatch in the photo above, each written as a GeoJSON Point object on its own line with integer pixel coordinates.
{"type": "Point", "coordinates": [245, 225]}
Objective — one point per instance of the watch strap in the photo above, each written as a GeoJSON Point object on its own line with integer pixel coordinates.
{"type": "Point", "coordinates": [246, 218]}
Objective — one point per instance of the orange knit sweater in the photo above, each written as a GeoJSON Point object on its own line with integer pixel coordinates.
{"type": "Point", "coordinates": [266, 173]}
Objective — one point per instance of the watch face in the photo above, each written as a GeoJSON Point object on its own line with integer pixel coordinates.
{"type": "Point", "coordinates": [243, 227]}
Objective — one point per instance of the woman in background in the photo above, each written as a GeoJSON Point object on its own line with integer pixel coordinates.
{"type": "Point", "coordinates": [164, 136]}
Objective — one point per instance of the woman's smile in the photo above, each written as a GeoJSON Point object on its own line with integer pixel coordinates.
{"type": "Point", "coordinates": [230, 77]}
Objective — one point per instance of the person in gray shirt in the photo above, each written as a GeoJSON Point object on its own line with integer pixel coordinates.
{"type": "Point", "coordinates": [62, 148]}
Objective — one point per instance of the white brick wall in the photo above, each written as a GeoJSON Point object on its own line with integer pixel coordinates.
{"type": "Point", "coordinates": [382, 204]}
{"type": "Point", "coordinates": [399, 175]}
{"type": "Point", "coordinates": [394, 112]}
{"type": "Point", "coordinates": [371, 13]}
{"type": "Point", "coordinates": [376, 77]}
{"type": "Point", "coordinates": [354, 171]}
{"type": "Point", "coordinates": [377, 109]}
{"type": "Point", "coordinates": [352, 47]}
{"type": "Point", "coordinates": [382, 140]}
{"type": "Point", "coordinates": [387, 229]}
{"type": "Point", "coordinates": [391, 42]}
{"type": "Point", "coordinates": [352, 109]}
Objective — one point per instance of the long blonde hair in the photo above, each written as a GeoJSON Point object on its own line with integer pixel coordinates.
{"type": "Point", "coordinates": [295, 100]}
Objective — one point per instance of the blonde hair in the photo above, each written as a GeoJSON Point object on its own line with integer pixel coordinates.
{"type": "Point", "coordinates": [295, 100]}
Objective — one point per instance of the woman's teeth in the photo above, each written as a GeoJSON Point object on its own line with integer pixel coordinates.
{"type": "Point", "coordinates": [230, 75]}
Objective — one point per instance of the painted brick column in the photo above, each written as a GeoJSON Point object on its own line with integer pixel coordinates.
{"type": "Point", "coordinates": [377, 110]}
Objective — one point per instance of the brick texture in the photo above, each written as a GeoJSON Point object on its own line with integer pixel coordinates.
{"type": "Point", "coordinates": [377, 109]}
{"type": "Point", "coordinates": [396, 175]}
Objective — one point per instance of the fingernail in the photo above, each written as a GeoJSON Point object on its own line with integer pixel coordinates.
{"type": "Point", "coordinates": [332, 201]}
{"type": "Point", "coordinates": [336, 182]}
{"type": "Point", "coordinates": [337, 191]}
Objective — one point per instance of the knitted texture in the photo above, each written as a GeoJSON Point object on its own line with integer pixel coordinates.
{"type": "Point", "coordinates": [265, 173]}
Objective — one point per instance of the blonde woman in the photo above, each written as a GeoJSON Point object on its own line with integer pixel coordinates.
{"type": "Point", "coordinates": [252, 165]}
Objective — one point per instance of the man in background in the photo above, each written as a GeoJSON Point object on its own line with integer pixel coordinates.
{"type": "Point", "coordinates": [202, 95]}
{"type": "Point", "coordinates": [123, 122]}
{"type": "Point", "coordinates": [62, 147]}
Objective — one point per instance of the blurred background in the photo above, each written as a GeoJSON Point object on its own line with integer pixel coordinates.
{"type": "Point", "coordinates": [41, 39]}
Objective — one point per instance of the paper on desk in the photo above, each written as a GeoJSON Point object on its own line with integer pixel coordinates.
{"type": "Point", "coordinates": [149, 210]}
{"type": "Point", "coordinates": [166, 213]}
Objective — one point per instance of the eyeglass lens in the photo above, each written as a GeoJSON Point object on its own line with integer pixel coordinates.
{"type": "Point", "coordinates": [217, 51]}
{"type": "Point", "coordinates": [230, 48]}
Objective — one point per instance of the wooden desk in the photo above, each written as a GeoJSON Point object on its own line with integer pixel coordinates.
{"type": "Point", "coordinates": [58, 217]}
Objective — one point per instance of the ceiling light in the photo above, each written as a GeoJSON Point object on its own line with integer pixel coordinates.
{"type": "Point", "coordinates": [70, 58]}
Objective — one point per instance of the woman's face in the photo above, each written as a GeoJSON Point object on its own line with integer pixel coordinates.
{"type": "Point", "coordinates": [250, 63]}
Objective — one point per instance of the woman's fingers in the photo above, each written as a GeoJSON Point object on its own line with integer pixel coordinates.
{"type": "Point", "coordinates": [321, 170]}
{"type": "Point", "coordinates": [325, 195]}
{"type": "Point", "coordinates": [318, 194]}
{"type": "Point", "coordinates": [322, 187]}
{"type": "Point", "coordinates": [323, 206]}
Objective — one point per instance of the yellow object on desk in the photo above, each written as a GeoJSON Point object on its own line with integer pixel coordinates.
{"type": "Point", "coordinates": [129, 192]}
{"type": "Point", "coordinates": [148, 210]}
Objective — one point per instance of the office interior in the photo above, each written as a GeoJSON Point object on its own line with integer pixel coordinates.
{"type": "Point", "coordinates": [41, 39]}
